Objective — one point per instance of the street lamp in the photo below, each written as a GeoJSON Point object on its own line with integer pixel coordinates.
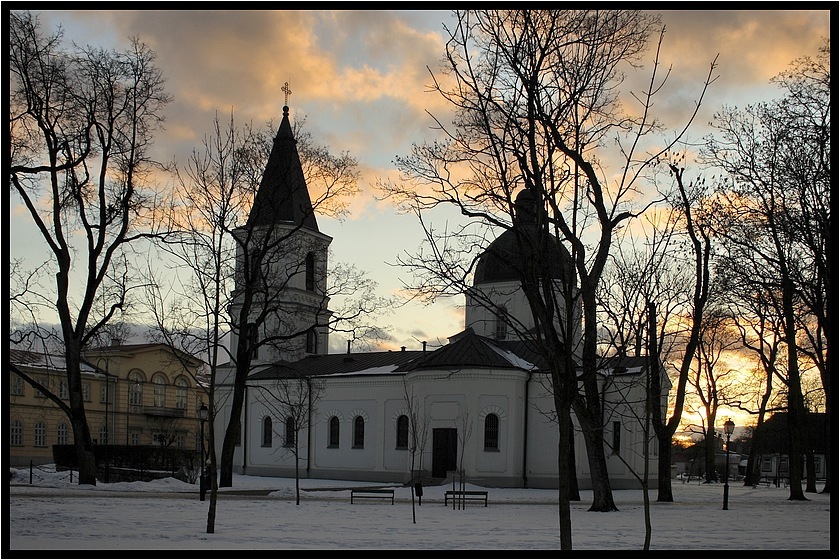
{"type": "Point", "coordinates": [203, 413]}
{"type": "Point", "coordinates": [728, 428]}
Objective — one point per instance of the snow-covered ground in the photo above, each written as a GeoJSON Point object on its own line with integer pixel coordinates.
{"type": "Point", "coordinates": [54, 514]}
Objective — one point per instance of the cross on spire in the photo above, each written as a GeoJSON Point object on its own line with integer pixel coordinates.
{"type": "Point", "coordinates": [285, 89]}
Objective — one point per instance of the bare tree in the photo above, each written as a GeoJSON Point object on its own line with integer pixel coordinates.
{"type": "Point", "coordinates": [292, 400]}
{"type": "Point", "coordinates": [419, 422]}
{"type": "Point", "coordinates": [535, 100]}
{"type": "Point", "coordinates": [464, 427]}
{"type": "Point", "coordinates": [775, 220]}
{"type": "Point", "coordinates": [80, 125]}
{"type": "Point", "coordinates": [711, 380]}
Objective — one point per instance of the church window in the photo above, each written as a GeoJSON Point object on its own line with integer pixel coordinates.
{"type": "Point", "coordinates": [402, 432]}
{"type": "Point", "coordinates": [358, 432]}
{"type": "Point", "coordinates": [310, 272]}
{"type": "Point", "coordinates": [311, 341]}
{"type": "Point", "coordinates": [334, 431]}
{"type": "Point", "coordinates": [253, 340]}
{"type": "Point", "coordinates": [491, 432]}
{"type": "Point", "coordinates": [501, 323]}
{"type": "Point", "coordinates": [616, 442]}
{"type": "Point", "coordinates": [266, 432]}
{"type": "Point", "coordinates": [290, 432]}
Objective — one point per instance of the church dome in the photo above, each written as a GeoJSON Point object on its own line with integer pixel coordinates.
{"type": "Point", "coordinates": [504, 258]}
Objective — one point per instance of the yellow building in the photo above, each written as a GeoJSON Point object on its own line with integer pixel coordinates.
{"type": "Point", "coordinates": [140, 394]}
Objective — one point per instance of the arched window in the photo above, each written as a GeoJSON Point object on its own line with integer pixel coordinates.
{"type": "Point", "coordinates": [311, 341]}
{"type": "Point", "coordinates": [62, 434]}
{"type": "Point", "coordinates": [334, 431]}
{"type": "Point", "coordinates": [491, 432]}
{"type": "Point", "coordinates": [501, 323]}
{"type": "Point", "coordinates": [310, 272]}
{"type": "Point", "coordinates": [40, 435]}
{"type": "Point", "coordinates": [181, 390]}
{"type": "Point", "coordinates": [402, 432]}
{"type": "Point", "coordinates": [290, 432]}
{"type": "Point", "coordinates": [135, 389]}
{"type": "Point", "coordinates": [159, 390]}
{"type": "Point", "coordinates": [16, 433]}
{"type": "Point", "coordinates": [266, 432]}
{"type": "Point", "coordinates": [358, 432]}
{"type": "Point", "coordinates": [254, 339]}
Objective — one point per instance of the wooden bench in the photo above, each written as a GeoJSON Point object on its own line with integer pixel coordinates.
{"type": "Point", "coordinates": [466, 495]}
{"type": "Point", "coordinates": [372, 494]}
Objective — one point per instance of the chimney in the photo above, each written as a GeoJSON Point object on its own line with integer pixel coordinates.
{"type": "Point", "coordinates": [424, 346]}
{"type": "Point", "coordinates": [116, 341]}
{"type": "Point", "coordinates": [348, 345]}
{"type": "Point", "coordinates": [403, 348]}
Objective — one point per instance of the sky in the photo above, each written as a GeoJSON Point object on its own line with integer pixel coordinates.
{"type": "Point", "coordinates": [144, 519]}
{"type": "Point", "coordinates": [360, 79]}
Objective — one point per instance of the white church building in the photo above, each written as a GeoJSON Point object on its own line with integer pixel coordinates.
{"type": "Point", "coordinates": [480, 405]}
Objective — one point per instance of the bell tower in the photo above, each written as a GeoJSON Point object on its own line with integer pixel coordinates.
{"type": "Point", "coordinates": [281, 264]}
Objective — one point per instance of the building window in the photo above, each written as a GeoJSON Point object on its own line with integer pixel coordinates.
{"type": "Point", "coordinates": [135, 389]}
{"type": "Point", "coordinates": [267, 432]}
{"type": "Point", "coordinates": [180, 441]}
{"type": "Point", "coordinates": [491, 432]}
{"type": "Point", "coordinates": [63, 393]}
{"type": "Point", "coordinates": [86, 392]}
{"type": "Point", "coordinates": [103, 435]}
{"type": "Point", "coordinates": [616, 443]}
{"type": "Point", "coordinates": [17, 386]}
{"type": "Point", "coordinates": [159, 391]}
{"type": "Point", "coordinates": [253, 340]}
{"type": "Point", "coordinates": [62, 438]}
{"type": "Point", "coordinates": [402, 432]}
{"type": "Point", "coordinates": [290, 432]}
{"type": "Point", "coordinates": [310, 272]}
{"type": "Point", "coordinates": [312, 341]}
{"type": "Point", "coordinates": [16, 433]}
{"type": "Point", "coordinates": [181, 388]}
{"type": "Point", "coordinates": [334, 431]}
{"type": "Point", "coordinates": [135, 438]}
{"type": "Point", "coordinates": [45, 383]}
{"type": "Point", "coordinates": [40, 435]}
{"type": "Point", "coordinates": [104, 392]}
{"type": "Point", "coordinates": [358, 432]}
{"type": "Point", "coordinates": [501, 323]}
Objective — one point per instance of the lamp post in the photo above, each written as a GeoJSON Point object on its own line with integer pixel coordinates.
{"type": "Point", "coordinates": [728, 428]}
{"type": "Point", "coordinates": [107, 429]}
{"type": "Point", "coordinates": [203, 412]}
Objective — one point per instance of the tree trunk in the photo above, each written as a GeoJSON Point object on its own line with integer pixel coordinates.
{"type": "Point", "coordinates": [709, 453]}
{"type": "Point", "coordinates": [796, 405]}
{"type": "Point", "coordinates": [564, 509]}
{"type": "Point", "coordinates": [665, 492]}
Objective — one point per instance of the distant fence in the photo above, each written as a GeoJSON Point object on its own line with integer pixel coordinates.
{"type": "Point", "coordinates": [134, 462]}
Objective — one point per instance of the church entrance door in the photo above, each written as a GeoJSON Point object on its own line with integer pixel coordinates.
{"type": "Point", "coordinates": [444, 451]}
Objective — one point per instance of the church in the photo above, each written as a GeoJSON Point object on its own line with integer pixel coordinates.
{"type": "Point", "coordinates": [480, 405]}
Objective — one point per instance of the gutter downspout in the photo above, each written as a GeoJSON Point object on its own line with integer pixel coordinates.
{"type": "Point", "coordinates": [309, 422]}
{"type": "Point", "coordinates": [525, 435]}
{"type": "Point", "coordinates": [245, 433]}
